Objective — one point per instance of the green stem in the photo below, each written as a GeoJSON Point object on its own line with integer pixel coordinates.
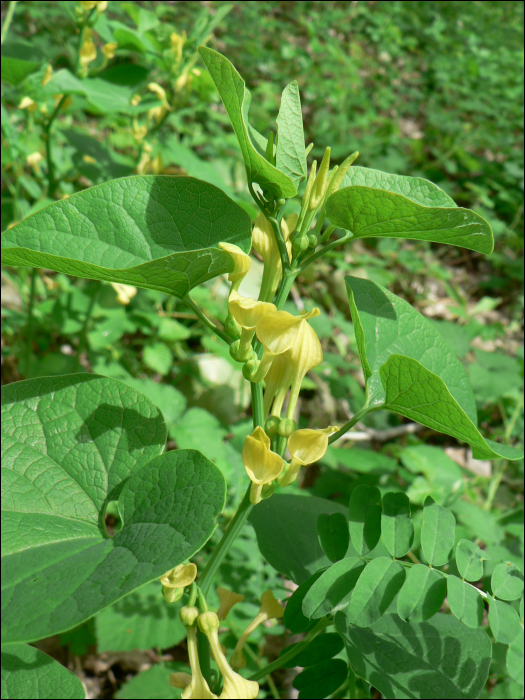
{"type": "Point", "coordinates": [284, 289]}
{"type": "Point", "coordinates": [322, 251]}
{"type": "Point", "coordinates": [293, 652]}
{"type": "Point", "coordinates": [211, 325]}
{"type": "Point", "coordinates": [203, 647]}
{"type": "Point", "coordinates": [87, 322]}
{"type": "Point", "coordinates": [8, 17]}
{"type": "Point", "coordinates": [268, 679]}
{"type": "Point", "coordinates": [277, 232]}
{"type": "Point", "coordinates": [346, 427]}
{"type": "Point", "coordinates": [29, 331]}
{"type": "Point", "coordinates": [51, 183]}
{"type": "Point", "coordinates": [226, 542]}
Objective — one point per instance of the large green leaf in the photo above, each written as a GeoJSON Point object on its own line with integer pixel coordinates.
{"type": "Point", "coordinates": [385, 325]}
{"type": "Point", "coordinates": [286, 527]}
{"type": "Point", "coordinates": [419, 394]}
{"type": "Point", "coordinates": [370, 212]}
{"type": "Point", "coordinates": [29, 673]}
{"type": "Point", "coordinates": [290, 152]}
{"type": "Point", "coordinates": [71, 444]}
{"type": "Point", "coordinates": [417, 189]}
{"type": "Point", "coordinates": [376, 588]}
{"type": "Point", "coordinates": [154, 231]}
{"type": "Point", "coordinates": [20, 59]}
{"type": "Point", "coordinates": [439, 658]}
{"type": "Point", "coordinates": [236, 99]}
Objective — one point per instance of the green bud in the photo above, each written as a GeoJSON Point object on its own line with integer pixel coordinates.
{"type": "Point", "coordinates": [287, 426]}
{"type": "Point", "coordinates": [208, 622]}
{"type": "Point", "coordinates": [188, 615]}
{"type": "Point", "coordinates": [321, 181]}
{"type": "Point", "coordinates": [313, 240]}
{"type": "Point", "coordinates": [280, 203]}
{"type": "Point", "coordinates": [250, 368]}
{"type": "Point", "coordinates": [232, 327]}
{"type": "Point", "coordinates": [271, 426]}
{"type": "Point", "coordinates": [172, 595]}
{"type": "Point", "coordinates": [235, 352]}
{"type": "Point", "coordinates": [300, 242]}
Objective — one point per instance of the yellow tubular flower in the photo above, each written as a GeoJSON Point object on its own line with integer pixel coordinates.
{"type": "Point", "coordinates": [241, 261]}
{"type": "Point", "coordinates": [175, 580]}
{"type": "Point", "coordinates": [29, 104]}
{"type": "Point", "coordinates": [270, 609]}
{"type": "Point", "coordinates": [109, 50]}
{"type": "Point", "coordinates": [48, 74]}
{"type": "Point", "coordinates": [306, 447]}
{"type": "Point", "coordinates": [247, 312]}
{"type": "Point", "coordinates": [261, 464]}
{"type": "Point", "coordinates": [33, 160]}
{"type": "Point", "coordinates": [125, 292]}
{"type": "Point", "coordinates": [198, 687]}
{"type": "Point", "coordinates": [88, 50]}
{"type": "Point", "coordinates": [180, 680]}
{"type": "Point", "coordinates": [161, 94]}
{"type": "Point", "coordinates": [228, 600]}
{"type": "Point", "coordinates": [235, 686]}
{"type": "Point", "coordinates": [293, 338]}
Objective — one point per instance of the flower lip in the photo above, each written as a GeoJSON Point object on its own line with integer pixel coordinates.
{"type": "Point", "coordinates": [261, 464]}
{"type": "Point", "coordinates": [308, 446]}
{"type": "Point", "coordinates": [248, 312]}
{"type": "Point", "coordinates": [279, 331]}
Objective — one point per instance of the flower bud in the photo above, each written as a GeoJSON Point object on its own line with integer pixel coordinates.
{"type": "Point", "coordinates": [321, 182]}
{"type": "Point", "coordinates": [208, 622]}
{"type": "Point", "coordinates": [271, 426]}
{"type": "Point", "coordinates": [287, 426]}
{"type": "Point", "coordinates": [188, 615]}
{"type": "Point", "coordinates": [313, 240]}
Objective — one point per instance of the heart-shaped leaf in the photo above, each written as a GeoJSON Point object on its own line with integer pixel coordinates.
{"type": "Point", "coordinates": [153, 231]}
{"type": "Point", "coordinates": [71, 444]}
{"type": "Point", "coordinates": [29, 673]}
{"type": "Point", "coordinates": [415, 392]}
{"type": "Point", "coordinates": [385, 325]}
{"type": "Point", "coordinates": [236, 99]}
{"type": "Point", "coordinates": [370, 212]}
{"type": "Point", "coordinates": [417, 189]}
{"type": "Point", "coordinates": [439, 658]}
{"type": "Point", "coordinates": [291, 153]}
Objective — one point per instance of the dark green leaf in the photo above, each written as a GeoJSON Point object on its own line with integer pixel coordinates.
{"type": "Point", "coordinates": [422, 594]}
{"type": "Point", "coordinates": [29, 673]}
{"type": "Point", "coordinates": [286, 527]}
{"type": "Point", "coordinates": [236, 99]}
{"type": "Point", "coordinates": [397, 529]}
{"type": "Point", "coordinates": [507, 581]}
{"type": "Point", "coordinates": [504, 621]}
{"type": "Point", "coordinates": [294, 618]}
{"type": "Point", "coordinates": [469, 560]}
{"type": "Point", "coordinates": [325, 646]}
{"type": "Point", "coordinates": [437, 533]}
{"type": "Point", "coordinates": [376, 588]}
{"type": "Point", "coordinates": [515, 659]}
{"type": "Point", "coordinates": [321, 680]}
{"type": "Point", "coordinates": [20, 59]}
{"type": "Point", "coordinates": [369, 212]}
{"type": "Point", "coordinates": [333, 535]}
{"type": "Point", "coordinates": [332, 591]}
{"type": "Point", "coordinates": [71, 445]}
{"type": "Point", "coordinates": [465, 602]}
{"type": "Point", "coordinates": [365, 518]}
{"type": "Point", "coordinates": [439, 658]}
{"type": "Point", "coordinates": [154, 231]}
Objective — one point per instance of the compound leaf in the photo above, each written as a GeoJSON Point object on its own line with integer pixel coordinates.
{"type": "Point", "coordinates": [376, 588]}
{"type": "Point", "coordinates": [332, 591]}
{"type": "Point", "coordinates": [152, 231]}
{"type": "Point", "coordinates": [439, 658]}
{"type": "Point", "coordinates": [437, 533]}
{"type": "Point", "coordinates": [422, 594]}
{"type": "Point", "coordinates": [465, 602]}
{"type": "Point", "coordinates": [397, 529]}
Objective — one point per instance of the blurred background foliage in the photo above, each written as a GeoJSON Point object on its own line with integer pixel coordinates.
{"type": "Point", "coordinates": [431, 89]}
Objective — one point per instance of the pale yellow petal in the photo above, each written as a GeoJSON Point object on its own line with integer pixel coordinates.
{"type": "Point", "coordinates": [248, 312]}
{"type": "Point", "coordinates": [270, 607]}
{"type": "Point", "coordinates": [228, 600]}
{"type": "Point", "coordinates": [179, 577]}
{"type": "Point", "coordinates": [261, 464]}
{"type": "Point", "coordinates": [241, 261]}
{"type": "Point", "coordinates": [309, 446]}
{"type": "Point", "coordinates": [279, 331]}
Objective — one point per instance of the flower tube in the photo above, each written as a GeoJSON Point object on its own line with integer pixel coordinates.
{"type": "Point", "coordinates": [235, 686]}
{"type": "Point", "coordinates": [261, 464]}
{"type": "Point", "coordinates": [270, 609]}
{"type": "Point", "coordinates": [306, 447]}
{"type": "Point", "coordinates": [247, 313]}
